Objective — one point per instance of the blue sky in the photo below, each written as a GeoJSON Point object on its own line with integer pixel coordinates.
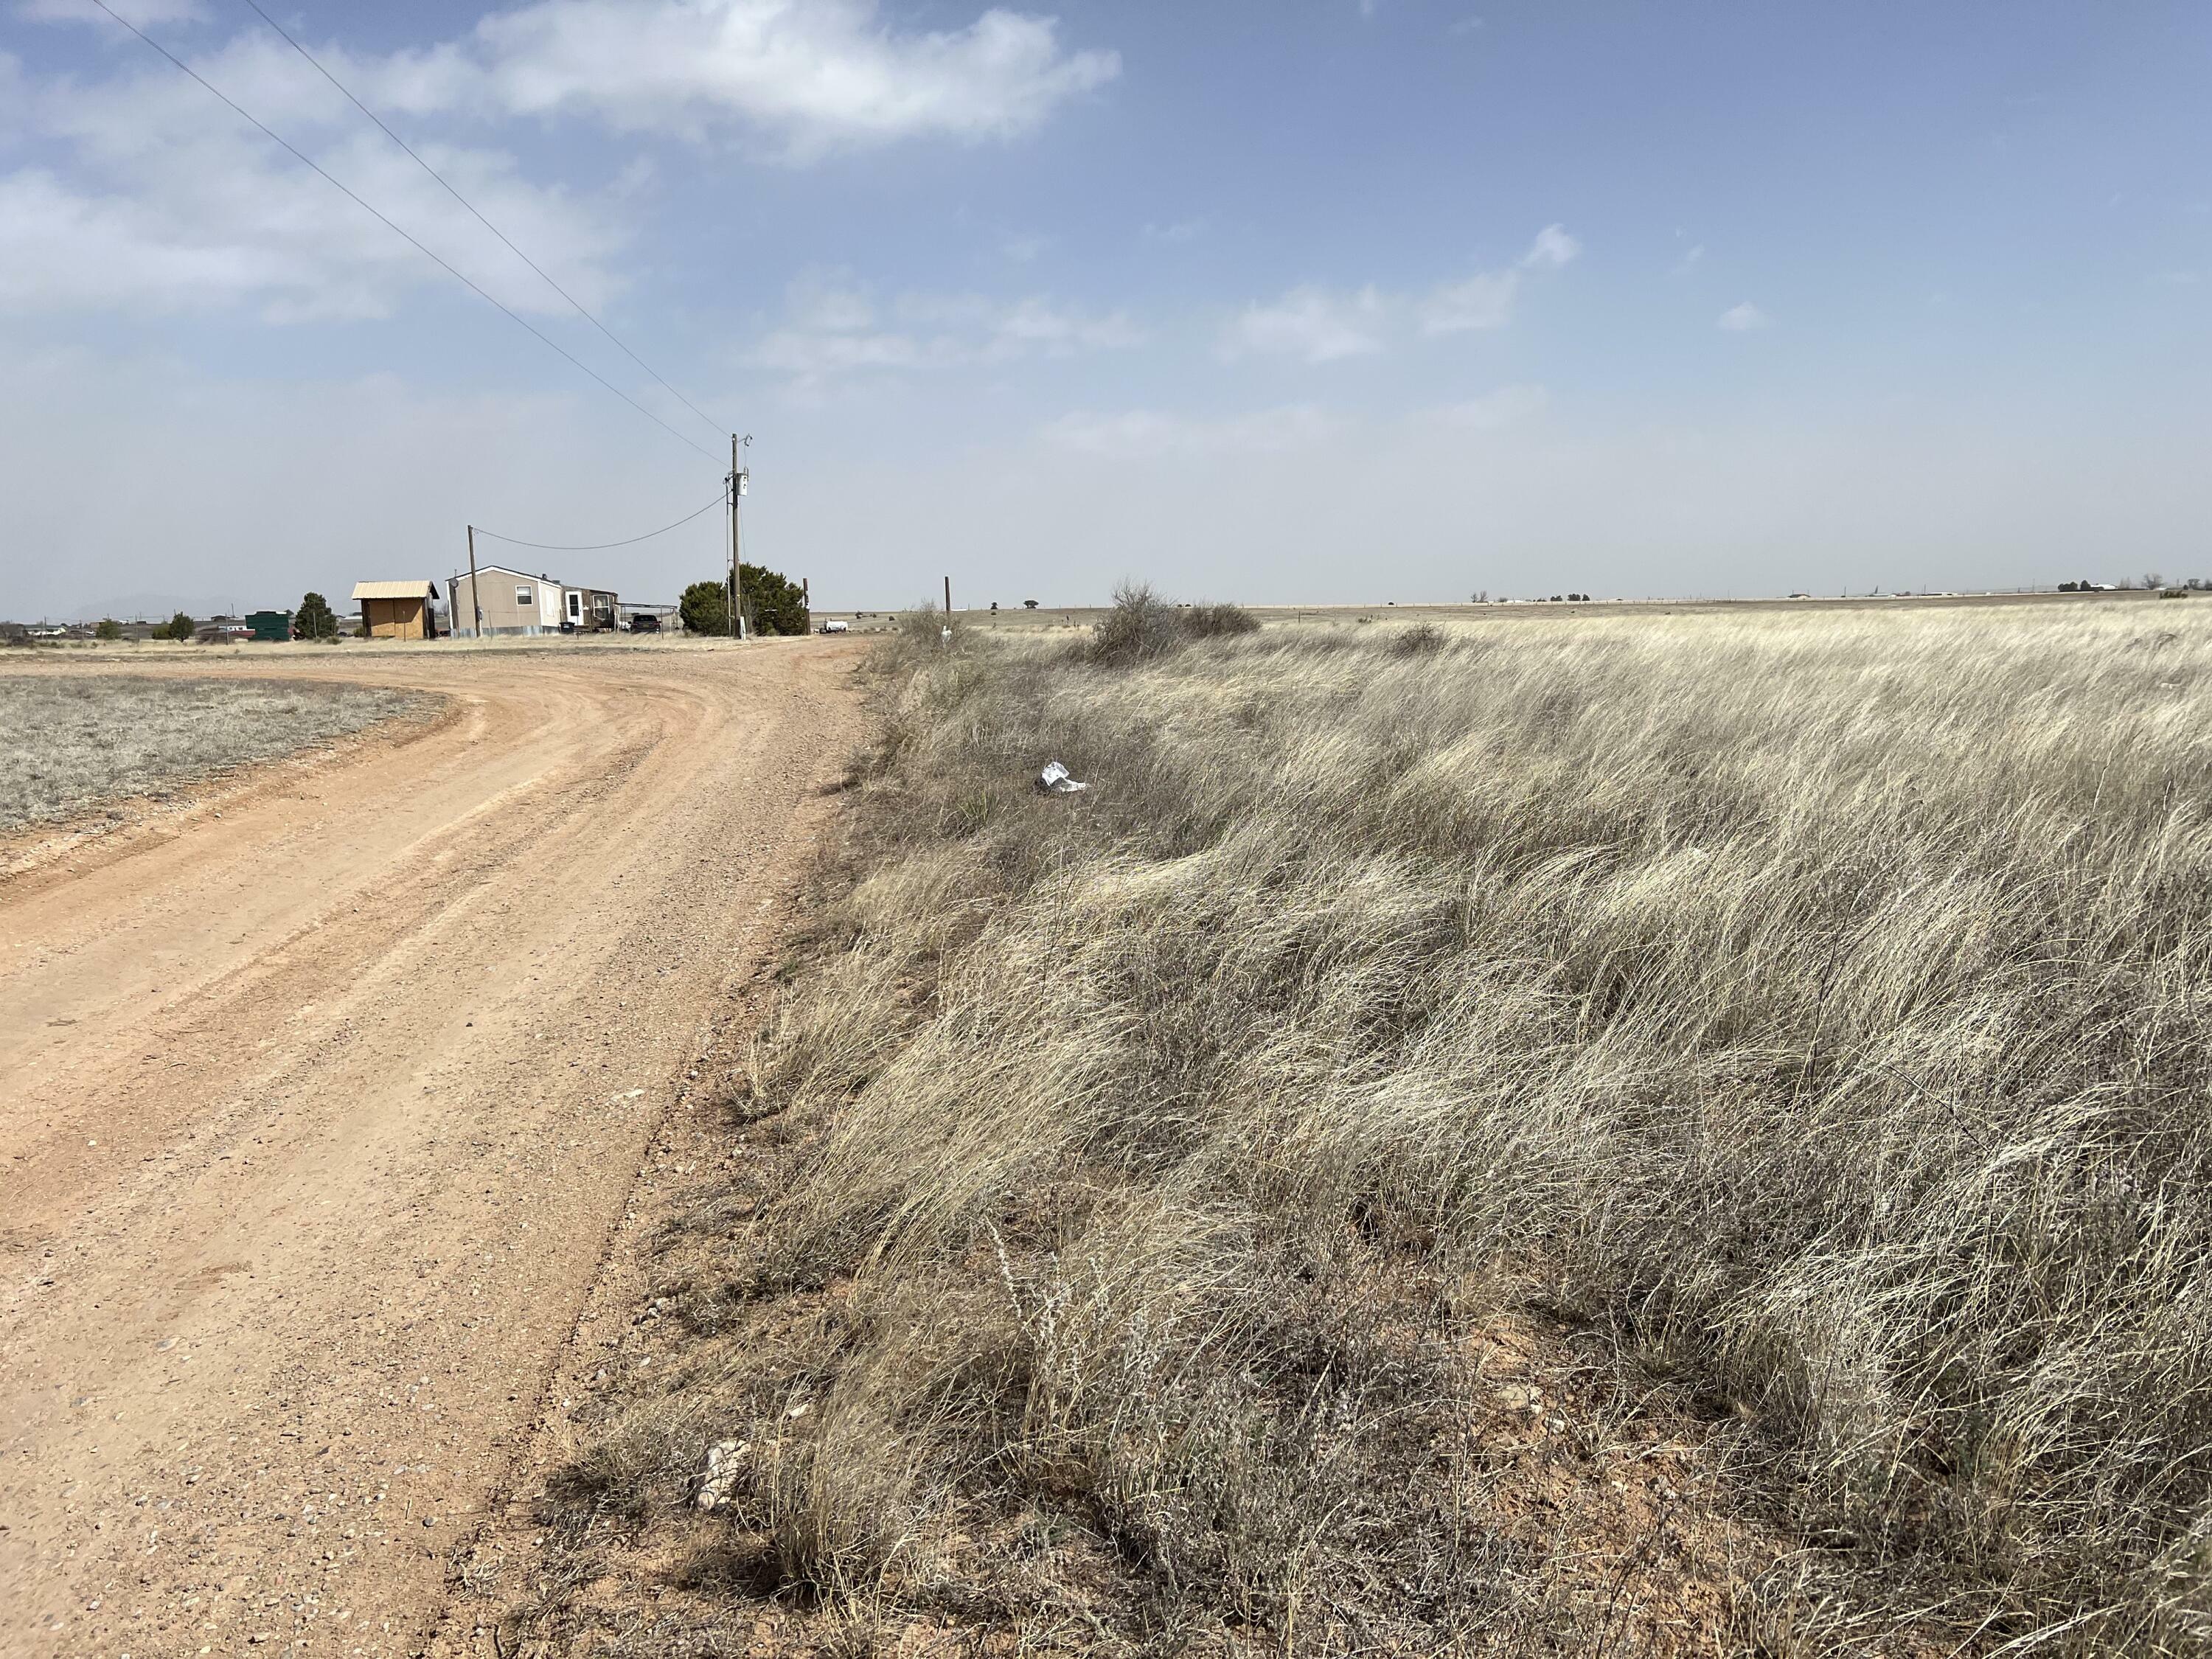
{"type": "Point", "coordinates": [1331, 301]}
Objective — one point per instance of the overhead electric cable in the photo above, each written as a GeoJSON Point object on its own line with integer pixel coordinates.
{"type": "Point", "coordinates": [720, 427]}
{"type": "Point", "coordinates": [307, 161]}
{"type": "Point", "coordinates": [601, 547]}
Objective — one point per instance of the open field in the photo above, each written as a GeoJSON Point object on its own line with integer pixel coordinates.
{"type": "Point", "coordinates": [1665, 1136]}
{"type": "Point", "coordinates": [1078, 618]}
{"type": "Point", "coordinates": [77, 740]}
{"type": "Point", "coordinates": [325, 1099]}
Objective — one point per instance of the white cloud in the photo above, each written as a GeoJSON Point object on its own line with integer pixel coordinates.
{"type": "Point", "coordinates": [1552, 247]}
{"type": "Point", "coordinates": [1324, 325]}
{"type": "Point", "coordinates": [1483, 300]}
{"type": "Point", "coordinates": [1144, 432]}
{"type": "Point", "coordinates": [1739, 319]}
{"type": "Point", "coordinates": [1313, 323]}
{"type": "Point", "coordinates": [832, 327]}
{"type": "Point", "coordinates": [143, 13]}
{"type": "Point", "coordinates": [216, 219]}
{"type": "Point", "coordinates": [150, 197]}
{"type": "Point", "coordinates": [822, 74]}
{"type": "Point", "coordinates": [1182, 230]}
{"type": "Point", "coordinates": [1690, 261]}
{"type": "Point", "coordinates": [817, 75]}
{"type": "Point", "coordinates": [1507, 406]}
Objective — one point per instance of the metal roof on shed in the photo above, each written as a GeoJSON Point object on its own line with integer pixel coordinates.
{"type": "Point", "coordinates": [424, 589]}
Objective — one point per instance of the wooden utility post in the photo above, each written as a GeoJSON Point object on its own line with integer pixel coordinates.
{"type": "Point", "coordinates": [737, 542]}
{"type": "Point", "coordinates": [475, 596]}
{"type": "Point", "coordinates": [948, 601]}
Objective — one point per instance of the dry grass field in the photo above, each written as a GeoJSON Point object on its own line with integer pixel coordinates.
{"type": "Point", "coordinates": [1677, 1135]}
{"type": "Point", "coordinates": [76, 740]}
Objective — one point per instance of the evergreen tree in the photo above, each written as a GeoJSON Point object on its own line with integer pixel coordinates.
{"type": "Point", "coordinates": [314, 620]}
{"type": "Point", "coordinates": [774, 603]}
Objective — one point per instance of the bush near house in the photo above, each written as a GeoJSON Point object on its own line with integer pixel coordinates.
{"type": "Point", "coordinates": [179, 627]}
{"type": "Point", "coordinates": [705, 607]}
{"type": "Point", "coordinates": [109, 628]}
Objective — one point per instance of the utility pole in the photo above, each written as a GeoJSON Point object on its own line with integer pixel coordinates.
{"type": "Point", "coordinates": [475, 596]}
{"type": "Point", "coordinates": [948, 601]}
{"type": "Point", "coordinates": [736, 544]}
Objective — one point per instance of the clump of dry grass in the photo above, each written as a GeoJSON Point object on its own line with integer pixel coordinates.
{"type": "Point", "coordinates": [75, 740]}
{"type": "Point", "coordinates": [1808, 1012]}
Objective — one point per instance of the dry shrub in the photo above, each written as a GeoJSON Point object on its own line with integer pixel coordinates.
{"type": "Point", "coordinates": [1218, 621]}
{"type": "Point", "coordinates": [1142, 626]}
{"type": "Point", "coordinates": [1813, 1005]}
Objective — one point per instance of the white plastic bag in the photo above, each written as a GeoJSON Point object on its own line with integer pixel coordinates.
{"type": "Point", "coordinates": [1055, 781]}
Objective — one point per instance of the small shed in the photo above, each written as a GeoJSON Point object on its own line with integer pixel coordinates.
{"type": "Point", "coordinates": [396, 610]}
{"type": "Point", "coordinates": [270, 624]}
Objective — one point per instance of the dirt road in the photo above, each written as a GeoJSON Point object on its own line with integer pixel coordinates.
{"type": "Point", "coordinates": [319, 1114]}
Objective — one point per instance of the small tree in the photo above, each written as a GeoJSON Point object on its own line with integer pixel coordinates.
{"type": "Point", "coordinates": [109, 628]}
{"type": "Point", "coordinates": [314, 620]}
{"type": "Point", "coordinates": [705, 607]}
{"type": "Point", "coordinates": [1029, 605]}
{"type": "Point", "coordinates": [180, 627]}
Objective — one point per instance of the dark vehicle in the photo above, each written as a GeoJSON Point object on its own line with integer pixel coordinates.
{"type": "Point", "coordinates": [641, 623]}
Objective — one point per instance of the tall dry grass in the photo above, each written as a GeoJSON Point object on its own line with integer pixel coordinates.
{"type": "Point", "coordinates": [1814, 1007]}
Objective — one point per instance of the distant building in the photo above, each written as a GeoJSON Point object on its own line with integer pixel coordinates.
{"type": "Point", "coordinates": [516, 602]}
{"type": "Point", "coordinates": [397, 610]}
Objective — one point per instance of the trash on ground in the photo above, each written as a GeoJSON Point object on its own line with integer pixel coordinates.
{"type": "Point", "coordinates": [718, 1482]}
{"type": "Point", "coordinates": [1055, 781]}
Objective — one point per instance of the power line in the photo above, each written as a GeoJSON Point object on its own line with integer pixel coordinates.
{"type": "Point", "coordinates": [309, 162]}
{"type": "Point", "coordinates": [718, 426]}
{"type": "Point", "coordinates": [601, 547]}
